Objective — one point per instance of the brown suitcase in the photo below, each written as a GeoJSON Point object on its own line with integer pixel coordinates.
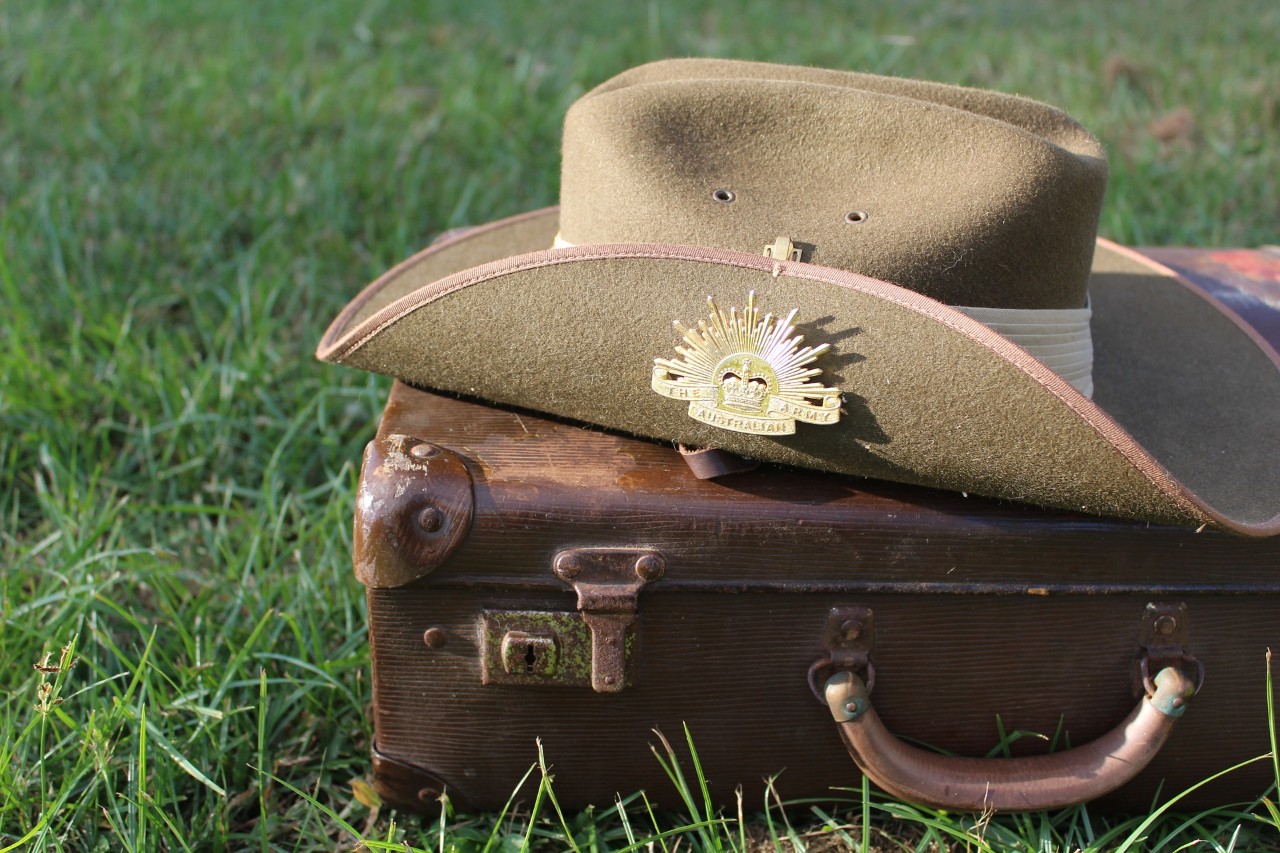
{"type": "Point", "coordinates": [533, 580]}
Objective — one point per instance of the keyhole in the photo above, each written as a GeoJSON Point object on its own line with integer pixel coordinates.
{"type": "Point", "coordinates": [530, 658]}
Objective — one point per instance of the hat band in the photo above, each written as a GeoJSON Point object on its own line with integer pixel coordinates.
{"type": "Point", "coordinates": [1057, 337]}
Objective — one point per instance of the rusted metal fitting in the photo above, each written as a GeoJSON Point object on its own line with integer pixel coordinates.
{"type": "Point", "coordinates": [423, 451]}
{"type": "Point", "coordinates": [650, 567]}
{"type": "Point", "coordinates": [608, 582]}
{"type": "Point", "coordinates": [413, 509]}
{"type": "Point", "coordinates": [1173, 690]}
{"type": "Point", "coordinates": [568, 566]}
{"type": "Point", "coordinates": [849, 639]}
{"type": "Point", "coordinates": [1164, 640]}
{"type": "Point", "coordinates": [435, 638]}
{"type": "Point", "coordinates": [431, 520]}
{"type": "Point", "coordinates": [846, 696]}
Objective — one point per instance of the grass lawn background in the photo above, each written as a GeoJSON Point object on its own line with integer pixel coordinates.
{"type": "Point", "coordinates": [189, 191]}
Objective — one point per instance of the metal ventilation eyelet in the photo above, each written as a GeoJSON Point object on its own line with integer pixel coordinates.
{"type": "Point", "coordinates": [724, 196]}
{"type": "Point", "coordinates": [855, 216]}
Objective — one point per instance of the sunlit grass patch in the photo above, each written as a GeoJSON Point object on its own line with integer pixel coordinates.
{"type": "Point", "coordinates": [188, 192]}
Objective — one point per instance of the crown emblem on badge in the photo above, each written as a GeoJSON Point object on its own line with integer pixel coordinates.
{"type": "Point", "coordinates": [747, 373]}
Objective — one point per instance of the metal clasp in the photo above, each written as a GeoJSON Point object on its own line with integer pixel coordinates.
{"type": "Point", "coordinates": [1165, 640]}
{"type": "Point", "coordinates": [608, 582]}
{"type": "Point", "coordinates": [782, 249]}
{"type": "Point", "coordinates": [849, 639]}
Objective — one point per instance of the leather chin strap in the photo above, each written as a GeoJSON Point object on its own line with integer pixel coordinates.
{"type": "Point", "coordinates": [710, 462]}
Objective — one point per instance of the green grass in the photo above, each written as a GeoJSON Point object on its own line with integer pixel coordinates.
{"type": "Point", "coordinates": [188, 192]}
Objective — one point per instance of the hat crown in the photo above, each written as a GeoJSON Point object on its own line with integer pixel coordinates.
{"type": "Point", "coordinates": [970, 197]}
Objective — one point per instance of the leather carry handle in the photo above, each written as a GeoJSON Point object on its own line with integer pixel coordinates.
{"type": "Point", "coordinates": [1033, 783]}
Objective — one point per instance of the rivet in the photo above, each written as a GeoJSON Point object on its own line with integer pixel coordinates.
{"type": "Point", "coordinates": [568, 566]}
{"type": "Point", "coordinates": [431, 519]}
{"type": "Point", "coordinates": [1166, 625]}
{"type": "Point", "coordinates": [435, 638]}
{"type": "Point", "coordinates": [649, 567]}
{"type": "Point", "coordinates": [609, 679]}
{"type": "Point", "coordinates": [851, 708]}
{"type": "Point", "coordinates": [428, 795]}
{"type": "Point", "coordinates": [423, 451]}
{"type": "Point", "coordinates": [851, 629]}
{"type": "Point", "coordinates": [1178, 703]}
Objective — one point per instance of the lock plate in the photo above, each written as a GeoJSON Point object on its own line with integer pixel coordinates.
{"type": "Point", "coordinates": [525, 653]}
{"type": "Point", "coordinates": [538, 647]}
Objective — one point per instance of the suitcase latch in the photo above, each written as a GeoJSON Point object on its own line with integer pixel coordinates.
{"type": "Point", "coordinates": [608, 583]}
{"type": "Point", "coordinates": [594, 645]}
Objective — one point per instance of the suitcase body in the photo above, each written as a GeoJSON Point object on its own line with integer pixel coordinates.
{"type": "Point", "coordinates": [530, 580]}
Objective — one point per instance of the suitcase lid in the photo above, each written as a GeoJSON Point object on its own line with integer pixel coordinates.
{"type": "Point", "coordinates": [458, 492]}
{"type": "Point", "coordinates": [469, 493]}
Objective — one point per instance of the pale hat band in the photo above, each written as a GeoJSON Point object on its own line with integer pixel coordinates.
{"type": "Point", "coordinates": [1057, 337]}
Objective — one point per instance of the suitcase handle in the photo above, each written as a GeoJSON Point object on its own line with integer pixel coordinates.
{"type": "Point", "coordinates": [1032, 783]}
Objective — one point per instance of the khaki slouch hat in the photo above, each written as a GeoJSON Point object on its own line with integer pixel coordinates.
{"type": "Point", "coordinates": [868, 275]}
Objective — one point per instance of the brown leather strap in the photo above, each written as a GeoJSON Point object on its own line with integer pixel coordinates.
{"type": "Point", "coordinates": [1006, 784]}
{"type": "Point", "coordinates": [708, 463]}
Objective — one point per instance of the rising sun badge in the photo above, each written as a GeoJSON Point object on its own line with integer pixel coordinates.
{"type": "Point", "coordinates": [747, 373]}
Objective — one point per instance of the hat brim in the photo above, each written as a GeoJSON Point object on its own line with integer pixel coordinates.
{"type": "Point", "coordinates": [1183, 428]}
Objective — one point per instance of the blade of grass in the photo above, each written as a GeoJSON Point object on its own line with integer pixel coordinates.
{"type": "Point", "coordinates": [167, 821]}
{"type": "Point", "coordinates": [1273, 811]}
{"type": "Point", "coordinates": [671, 766]}
{"type": "Point", "coordinates": [708, 807]}
{"type": "Point", "coordinates": [771, 792]}
{"type": "Point", "coordinates": [742, 820]}
{"type": "Point", "coordinates": [181, 760]}
{"type": "Point", "coordinates": [830, 824]}
{"type": "Point", "coordinates": [866, 815]}
{"type": "Point", "coordinates": [1271, 725]}
{"type": "Point", "coordinates": [506, 808]}
{"type": "Point", "coordinates": [653, 821]}
{"type": "Point", "coordinates": [677, 832]}
{"type": "Point", "coordinates": [140, 781]}
{"type": "Point", "coordinates": [555, 804]}
{"type": "Point", "coordinates": [31, 833]}
{"type": "Point", "coordinates": [264, 839]}
{"type": "Point", "coordinates": [535, 809]}
{"type": "Point", "coordinates": [355, 834]}
{"type": "Point", "coordinates": [941, 828]}
{"type": "Point", "coordinates": [1138, 832]}
{"type": "Point", "coordinates": [624, 820]}
{"type": "Point", "coordinates": [769, 827]}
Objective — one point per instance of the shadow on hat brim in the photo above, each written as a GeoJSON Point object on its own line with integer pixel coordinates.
{"type": "Point", "coordinates": [1184, 426]}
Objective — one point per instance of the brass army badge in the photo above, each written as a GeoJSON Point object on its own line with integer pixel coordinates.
{"type": "Point", "coordinates": [748, 374]}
